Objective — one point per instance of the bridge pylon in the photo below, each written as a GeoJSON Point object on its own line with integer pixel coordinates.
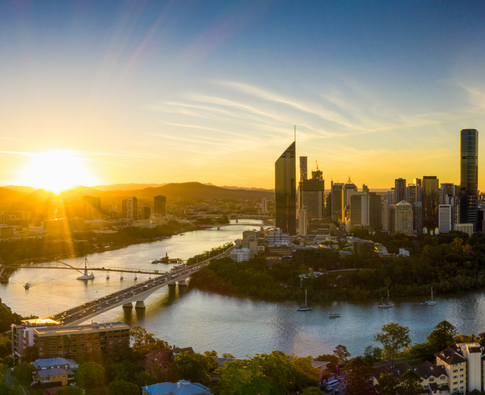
{"type": "Point", "coordinates": [140, 304]}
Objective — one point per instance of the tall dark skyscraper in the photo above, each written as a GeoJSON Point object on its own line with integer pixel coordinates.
{"type": "Point", "coordinates": [469, 177]}
{"type": "Point", "coordinates": [399, 190]}
{"type": "Point", "coordinates": [285, 190]}
{"type": "Point", "coordinates": [430, 203]}
{"type": "Point", "coordinates": [312, 195]}
{"type": "Point", "coordinates": [160, 205]}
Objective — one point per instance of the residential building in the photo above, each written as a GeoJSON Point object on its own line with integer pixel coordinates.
{"type": "Point", "coordinates": [302, 222]}
{"type": "Point", "coordinates": [240, 254]}
{"type": "Point", "coordinates": [145, 212]}
{"type": "Point", "coordinates": [375, 211]}
{"type": "Point", "coordinates": [160, 205]}
{"type": "Point", "coordinates": [403, 222]}
{"type": "Point", "coordinates": [348, 190]}
{"type": "Point", "coordinates": [264, 206]}
{"type": "Point", "coordinates": [130, 208]}
{"type": "Point", "coordinates": [359, 209]}
{"type": "Point", "coordinates": [466, 228]}
{"type": "Point", "coordinates": [399, 189]}
{"type": "Point", "coordinates": [336, 201]}
{"type": "Point", "coordinates": [285, 191]}
{"type": "Point", "coordinates": [430, 191]}
{"type": "Point", "coordinates": [182, 387]}
{"type": "Point", "coordinates": [82, 340]}
{"type": "Point", "coordinates": [469, 176]}
{"type": "Point", "coordinates": [312, 195]}
{"type": "Point", "coordinates": [411, 193]}
{"type": "Point", "coordinates": [92, 207]}
{"type": "Point", "coordinates": [444, 218]}
{"type": "Point", "coordinates": [54, 371]}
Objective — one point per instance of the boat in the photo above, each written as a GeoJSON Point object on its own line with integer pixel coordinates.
{"type": "Point", "coordinates": [86, 275]}
{"type": "Point", "coordinates": [386, 304]}
{"type": "Point", "coordinates": [121, 278]}
{"type": "Point", "coordinates": [333, 315]}
{"type": "Point", "coordinates": [304, 308]}
{"type": "Point", "coordinates": [182, 234]}
{"type": "Point", "coordinates": [27, 286]}
{"type": "Point", "coordinates": [431, 302]}
{"type": "Point", "coordinates": [136, 278]}
{"type": "Point", "coordinates": [156, 261]}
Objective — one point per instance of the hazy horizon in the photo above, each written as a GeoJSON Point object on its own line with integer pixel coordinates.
{"type": "Point", "coordinates": [119, 92]}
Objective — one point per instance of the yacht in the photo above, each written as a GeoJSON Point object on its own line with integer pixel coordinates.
{"type": "Point", "coordinates": [333, 315]}
{"type": "Point", "coordinates": [304, 308]}
{"type": "Point", "coordinates": [156, 261]}
{"type": "Point", "coordinates": [27, 286]}
{"type": "Point", "coordinates": [86, 275]}
{"type": "Point", "coordinates": [386, 304]}
{"type": "Point", "coordinates": [431, 302]}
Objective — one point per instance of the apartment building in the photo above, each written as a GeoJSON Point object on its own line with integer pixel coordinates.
{"type": "Point", "coordinates": [459, 369]}
{"type": "Point", "coordinates": [83, 340]}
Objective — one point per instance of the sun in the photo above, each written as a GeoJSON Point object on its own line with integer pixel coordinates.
{"type": "Point", "coordinates": [56, 171]}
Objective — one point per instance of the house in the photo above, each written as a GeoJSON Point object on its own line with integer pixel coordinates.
{"type": "Point", "coordinates": [182, 387]}
{"type": "Point", "coordinates": [163, 358]}
{"type": "Point", "coordinates": [54, 371]}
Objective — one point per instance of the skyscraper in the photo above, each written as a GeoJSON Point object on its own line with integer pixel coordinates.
{"type": "Point", "coordinates": [430, 194]}
{"type": "Point", "coordinates": [285, 190]}
{"type": "Point", "coordinates": [303, 168]}
{"type": "Point", "coordinates": [336, 201]}
{"type": "Point", "coordinates": [92, 207]}
{"type": "Point", "coordinates": [130, 208]}
{"type": "Point", "coordinates": [312, 195]}
{"type": "Point", "coordinates": [160, 205]}
{"type": "Point", "coordinates": [399, 190]}
{"type": "Point", "coordinates": [469, 177]}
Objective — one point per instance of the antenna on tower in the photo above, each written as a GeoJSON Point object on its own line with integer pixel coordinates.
{"type": "Point", "coordinates": [295, 132]}
{"type": "Point", "coordinates": [316, 163]}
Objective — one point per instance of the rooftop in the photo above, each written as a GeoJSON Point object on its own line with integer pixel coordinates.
{"type": "Point", "coordinates": [182, 387]}
{"type": "Point", "coordinates": [93, 328]}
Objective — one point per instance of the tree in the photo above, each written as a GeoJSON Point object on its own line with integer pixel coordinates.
{"type": "Point", "coordinates": [358, 377]}
{"type": "Point", "coordinates": [121, 387]}
{"type": "Point", "coordinates": [311, 391]}
{"type": "Point", "coordinates": [23, 373]}
{"type": "Point", "coordinates": [393, 338]}
{"type": "Point", "coordinates": [372, 354]}
{"type": "Point", "coordinates": [242, 378]}
{"type": "Point", "coordinates": [331, 359]}
{"type": "Point", "coordinates": [90, 375]}
{"type": "Point", "coordinates": [68, 390]}
{"type": "Point", "coordinates": [341, 353]}
{"type": "Point", "coordinates": [228, 356]}
{"type": "Point", "coordinates": [194, 367]}
{"type": "Point", "coordinates": [442, 336]}
{"type": "Point", "coordinates": [411, 383]}
{"type": "Point", "coordinates": [388, 384]}
{"type": "Point", "coordinates": [144, 342]}
{"type": "Point", "coordinates": [30, 354]}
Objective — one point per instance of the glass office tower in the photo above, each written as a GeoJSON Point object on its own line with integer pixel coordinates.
{"type": "Point", "coordinates": [469, 177]}
{"type": "Point", "coordinates": [285, 190]}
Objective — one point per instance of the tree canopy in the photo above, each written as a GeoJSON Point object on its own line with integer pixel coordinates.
{"type": "Point", "coordinates": [90, 375]}
{"type": "Point", "coordinates": [394, 338]}
{"type": "Point", "coordinates": [358, 377]}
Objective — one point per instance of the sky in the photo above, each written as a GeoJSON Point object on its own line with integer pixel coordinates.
{"type": "Point", "coordinates": [209, 91]}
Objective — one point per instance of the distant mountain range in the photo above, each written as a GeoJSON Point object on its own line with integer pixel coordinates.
{"type": "Point", "coordinates": [24, 196]}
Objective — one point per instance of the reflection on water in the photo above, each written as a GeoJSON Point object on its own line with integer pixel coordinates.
{"type": "Point", "coordinates": [239, 326]}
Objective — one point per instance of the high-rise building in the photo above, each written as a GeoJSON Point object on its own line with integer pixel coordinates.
{"type": "Point", "coordinates": [375, 211]}
{"type": "Point", "coordinates": [403, 221]}
{"type": "Point", "coordinates": [302, 222]}
{"type": "Point", "coordinates": [336, 201]}
{"type": "Point", "coordinates": [430, 191]}
{"type": "Point", "coordinates": [444, 218]}
{"type": "Point", "coordinates": [285, 191]}
{"type": "Point", "coordinates": [160, 205]}
{"type": "Point", "coordinates": [399, 189]}
{"type": "Point", "coordinates": [264, 206]}
{"type": "Point", "coordinates": [129, 208]}
{"type": "Point", "coordinates": [145, 212]}
{"type": "Point", "coordinates": [312, 195]}
{"type": "Point", "coordinates": [469, 176]}
{"type": "Point", "coordinates": [411, 193]}
{"type": "Point", "coordinates": [303, 168]}
{"type": "Point", "coordinates": [418, 217]}
{"type": "Point", "coordinates": [349, 189]}
{"type": "Point", "coordinates": [359, 209]}
{"type": "Point", "coordinates": [92, 207]}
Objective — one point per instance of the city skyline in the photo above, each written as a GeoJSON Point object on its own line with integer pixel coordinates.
{"type": "Point", "coordinates": [209, 92]}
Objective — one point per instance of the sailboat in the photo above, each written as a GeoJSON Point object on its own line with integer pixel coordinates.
{"type": "Point", "coordinates": [387, 304]}
{"type": "Point", "coordinates": [431, 302]}
{"type": "Point", "coordinates": [27, 286]}
{"type": "Point", "coordinates": [86, 275]}
{"type": "Point", "coordinates": [304, 308]}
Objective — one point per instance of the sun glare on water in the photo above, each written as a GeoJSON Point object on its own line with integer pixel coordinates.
{"type": "Point", "coordinates": [56, 171]}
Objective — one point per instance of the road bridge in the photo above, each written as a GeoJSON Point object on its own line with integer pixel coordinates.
{"type": "Point", "coordinates": [136, 293]}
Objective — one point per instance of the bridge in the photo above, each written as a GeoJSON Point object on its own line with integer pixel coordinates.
{"type": "Point", "coordinates": [136, 293]}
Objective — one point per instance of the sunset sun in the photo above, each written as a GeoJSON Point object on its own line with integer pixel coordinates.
{"type": "Point", "coordinates": [56, 171]}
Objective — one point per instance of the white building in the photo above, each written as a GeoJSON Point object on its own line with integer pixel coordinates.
{"type": "Point", "coordinates": [240, 254]}
{"type": "Point", "coordinates": [264, 206]}
{"type": "Point", "coordinates": [466, 228]}
{"type": "Point", "coordinates": [444, 218]}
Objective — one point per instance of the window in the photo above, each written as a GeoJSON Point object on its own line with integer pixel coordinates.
{"type": "Point", "coordinates": [456, 370]}
{"type": "Point", "coordinates": [461, 375]}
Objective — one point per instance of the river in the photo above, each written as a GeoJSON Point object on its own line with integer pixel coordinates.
{"type": "Point", "coordinates": [240, 326]}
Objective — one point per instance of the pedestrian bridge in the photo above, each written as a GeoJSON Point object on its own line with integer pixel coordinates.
{"type": "Point", "coordinates": [134, 294]}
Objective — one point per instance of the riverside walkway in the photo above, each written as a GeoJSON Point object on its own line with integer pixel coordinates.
{"type": "Point", "coordinates": [136, 293]}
